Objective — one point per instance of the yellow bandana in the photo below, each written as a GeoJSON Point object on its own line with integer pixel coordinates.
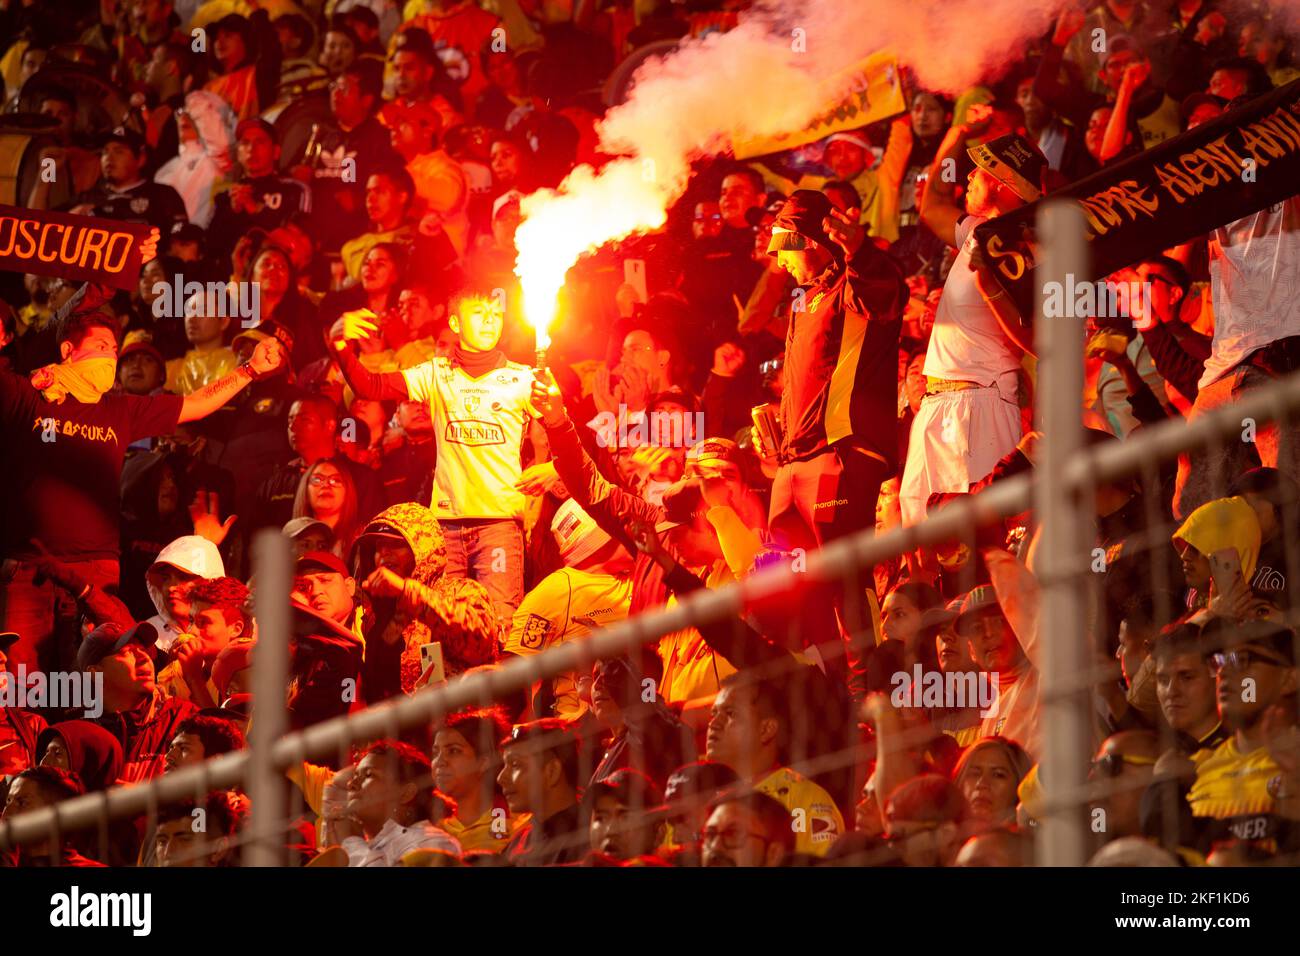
{"type": "Point", "coordinates": [84, 379]}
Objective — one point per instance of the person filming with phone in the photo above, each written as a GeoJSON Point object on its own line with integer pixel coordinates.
{"type": "Point", "coordinates": [1219, 546]}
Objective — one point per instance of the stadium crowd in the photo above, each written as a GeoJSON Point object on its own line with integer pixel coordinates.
{"type": "Point", "coordinates": [812, 347]}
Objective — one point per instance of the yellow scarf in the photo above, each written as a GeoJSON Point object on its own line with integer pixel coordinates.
{"type": "Point", "coordinates": [84, 379]}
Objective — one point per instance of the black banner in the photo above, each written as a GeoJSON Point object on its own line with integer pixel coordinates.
{"type": "Point", "coordinates": [1235, 165]}
{"type": "Point", "coordinates": [44, 243]}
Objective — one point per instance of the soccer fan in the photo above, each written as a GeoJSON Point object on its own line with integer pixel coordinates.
{"type": "Point", "coordinates": [747, 731]}
{"type": "Point", "coordinates": [970, 416]}
{"type": "Point", "coordinates": [466, 761]}
{"type": "Point", "coordinates": [259, 198]}
{"type": "Point", "coordinates": [395, 807]}
{"type": "Point", "coordinates": [67, 496]}
{"type": "Point", "coordinates": [478, 402]}
{"type": "Point", "coordinates": [622, 809]}
{"type": "Point", "coordinates": [749, 830]}
{"type": "Point", "coordinates": [35, 789]}
{"type": "Point", "coordinates": [178, 842]}
{"type": "Point", "coordinates": [141, 718]}
{"type": "Point", "coordinates": [539, 776]}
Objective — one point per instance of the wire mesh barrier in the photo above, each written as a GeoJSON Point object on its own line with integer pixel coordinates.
{"type": "Point", "coordinates": [1070, 694]}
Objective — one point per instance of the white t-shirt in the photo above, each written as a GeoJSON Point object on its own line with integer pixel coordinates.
{"type": "Point", "coordinates": [967, 343]}
{"type": "Point", "coordinates": [394, 841]}
{"type": "Point", "coordinates": [479, 423]}
{"type": "Point", "coordinates": [1255, 285]}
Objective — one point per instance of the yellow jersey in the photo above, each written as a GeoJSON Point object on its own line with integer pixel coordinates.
{"type": "Point", "coordinates": [480, 426]}
{"type": "Point", "coordinates": [491, 831]}
{"type": "Point", "coordinates": [564, 606]}
{"type": "Point", "coordinates": [816, 820]}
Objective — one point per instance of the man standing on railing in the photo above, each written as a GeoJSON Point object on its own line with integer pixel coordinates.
{"type": "Point", "coordinates": [840, 397]}
{"type": "Point", "coordinates": [1255, 282]}
{"type": "Point", "coordinates": [970, 416]}
{"type": "Point", "coordinates": [839, 402]}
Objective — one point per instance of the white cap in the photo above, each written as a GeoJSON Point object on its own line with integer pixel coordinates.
{"type": "Point", "coordinates": [577, 534]}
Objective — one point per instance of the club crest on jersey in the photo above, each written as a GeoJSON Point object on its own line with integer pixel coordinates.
{"type": "Point", "coordinates": [471, 403]}
{"type": "Point", "coordinates": [139, 206]}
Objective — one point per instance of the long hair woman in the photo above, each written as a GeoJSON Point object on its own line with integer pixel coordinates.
{"type": "Point", "coordinates": [327, 493]}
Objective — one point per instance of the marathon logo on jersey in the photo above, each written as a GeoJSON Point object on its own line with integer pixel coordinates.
{"type": "Point", "coordinates": [474, 432]}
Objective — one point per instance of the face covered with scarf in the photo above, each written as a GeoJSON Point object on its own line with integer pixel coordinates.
{"type": "Point", "coordinates": [87, 371]}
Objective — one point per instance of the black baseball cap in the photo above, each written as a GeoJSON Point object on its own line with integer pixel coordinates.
{"type": "Point", "coordinates": [1013, 161]}
{"type": "Point", "coordinates": [8, 639]}
{"type": "Point", "coordinates": [799, 221]}
{"type": "Point", "coordinates": [128, 137]}
{"type": "Point", "coordinates": [256, 122]}
{"type": "Point", "coordinates": [683, 504]}
{"type": "Point", "coordinates": [108, 639]}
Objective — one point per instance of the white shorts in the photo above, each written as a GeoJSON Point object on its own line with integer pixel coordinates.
{"type": "Point", "coordinates": [957, 437]}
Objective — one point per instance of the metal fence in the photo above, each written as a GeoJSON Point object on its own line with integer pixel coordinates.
{"type": "Point", "coordinates": [1058, 492]}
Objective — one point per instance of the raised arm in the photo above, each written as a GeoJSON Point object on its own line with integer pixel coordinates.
{"type": "Point", "coordinates": [266, 360]}
{"type": "Point", "coordinates": [1112, 143]}
{"type": "Point", "coordinates": [610, 506]}
{"type": "Point", "coordinates": [940, 210]}
{"type": "Point", "coordinates": [372, 386]}
{"type": "Point", "coordinates": [1018, 596]}
{"type": "Point", "coordinates": [1001, 304]}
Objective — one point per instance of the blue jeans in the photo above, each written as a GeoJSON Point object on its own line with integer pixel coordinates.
{"type": "Point", "coordinates": [491, 552]}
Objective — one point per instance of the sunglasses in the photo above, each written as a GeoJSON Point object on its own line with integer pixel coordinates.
{"type": "Point", "coordinates": [1240, 660]}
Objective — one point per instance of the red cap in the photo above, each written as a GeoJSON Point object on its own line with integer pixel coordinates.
{"type": "Point", "coordinates": [322, 561]}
